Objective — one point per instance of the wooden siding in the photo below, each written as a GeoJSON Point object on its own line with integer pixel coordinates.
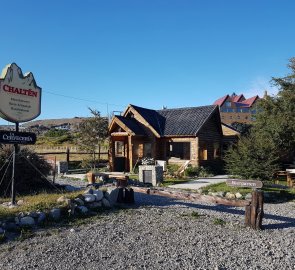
{"type": "Point", "coordinates": [209, 136]}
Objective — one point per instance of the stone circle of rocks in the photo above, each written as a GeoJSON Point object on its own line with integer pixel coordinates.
{"type": "Point", "coordinates": [88, 203]}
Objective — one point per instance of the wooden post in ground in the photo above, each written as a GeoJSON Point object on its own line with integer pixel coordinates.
{"type": "Point", "coordinates": [68, 154]}
{"type": "Point", "coordinates": [254, 211]}
{"type": "Point", "coordinates": [248, 215]}
{"type": "Point", "coordinates": [54, 170]}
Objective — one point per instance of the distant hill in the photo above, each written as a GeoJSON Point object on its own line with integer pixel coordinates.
{"type": "Point", "coordinates": [70, 124]}
{"type": "Point", "coordinates": [7, 127]}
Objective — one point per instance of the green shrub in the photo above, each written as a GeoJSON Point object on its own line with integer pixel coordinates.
{"type": "Point", "coordinates": [55, 133]}
{"type": "Point", "coordinates": [205, 172]}
{"type": "Point", "coordinates": [192, 171]}
{"type": "Point", "coordinates": [172, 168]}
{"type": "Point", "coordinates": [28, 169]}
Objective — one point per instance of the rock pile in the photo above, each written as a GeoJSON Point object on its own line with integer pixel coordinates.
{"type": "Point", "coordinates": [230, 195]}
{"type": "Point", "coordinates": [88, 203]}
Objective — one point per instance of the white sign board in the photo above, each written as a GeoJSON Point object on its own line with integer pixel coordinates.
{"type": "Point", "coordinates": [20, 97]}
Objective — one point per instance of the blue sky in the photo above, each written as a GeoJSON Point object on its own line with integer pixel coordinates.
{"type": "Point", "coordinates": [149, 53]}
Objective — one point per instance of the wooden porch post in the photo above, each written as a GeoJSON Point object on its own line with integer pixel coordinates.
{"type": "Point", "coordinates": [112, 154]}
{"type": "Point", "coordinates": [130, 154]}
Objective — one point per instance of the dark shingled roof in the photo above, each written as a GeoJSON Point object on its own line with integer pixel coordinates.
{"type": "Point", "coordinates": [152, 117]}
{"type": "Point", "coordinates": [132, 124]}
{"type": "Point", "coordinates": [182, 121]}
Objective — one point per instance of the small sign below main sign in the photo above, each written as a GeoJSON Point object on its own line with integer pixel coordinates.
{"type": "Point", "coordinates": [12, 137]}
{"type": "Point", "coordinates": [244, 183]}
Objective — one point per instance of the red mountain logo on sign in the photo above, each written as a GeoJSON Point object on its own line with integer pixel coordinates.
{"type": "Point", "coordinates": [20, 97]}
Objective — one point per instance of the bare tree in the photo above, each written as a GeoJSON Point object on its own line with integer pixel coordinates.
{"type": "Point", "coordinates": [92, 133]}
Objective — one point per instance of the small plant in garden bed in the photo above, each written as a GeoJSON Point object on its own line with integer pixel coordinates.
{"type": "Point", "coordinates": [195, 214]}
{"type": "Point", "coordinates": [26, 233]}
{"type": "Point", "coordinates": [219, 221]}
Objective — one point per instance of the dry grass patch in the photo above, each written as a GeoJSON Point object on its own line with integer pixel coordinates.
{"type": "Point", "coordinates": [43, 202]}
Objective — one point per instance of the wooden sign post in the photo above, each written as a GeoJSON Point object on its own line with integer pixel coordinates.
{"type": "Point", "coordinates": [253, 211]}
{"type": "Point", "coordinates": [20, 101]}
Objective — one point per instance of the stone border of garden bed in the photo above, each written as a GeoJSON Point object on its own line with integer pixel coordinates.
{"type": "Point", "coordinates": [87, 204]}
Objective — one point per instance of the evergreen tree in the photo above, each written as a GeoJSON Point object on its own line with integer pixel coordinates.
{"type": "Point", "coordinates": [271, 141]}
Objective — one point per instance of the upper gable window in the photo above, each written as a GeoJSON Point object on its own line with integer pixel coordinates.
{"type": "Point", "coordinates": [228, 104]}
{"type": "Point", "coordinates": [130, 115]}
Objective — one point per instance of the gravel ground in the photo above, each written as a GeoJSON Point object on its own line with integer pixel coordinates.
{"type": "Point", "coordinates": [79, 183]}
{"type": "Point", "coordinates": [162, 233]}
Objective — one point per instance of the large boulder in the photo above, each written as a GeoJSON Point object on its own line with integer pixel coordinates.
{"type": "Point", "coordinates": [82, 209]}
{"type": "Point", "coordinates": [238, 195]}
{"type": "Point", "coordinates": [27, 221]}
{"type": "Point", "coordinates": [89, 198]}
{"type": "Point", "coordinates": [10, 226]}
{"type": "Point", "coordinates": [41, 217]}
{"type": "Point", "coordinates": [98, 195]}
{"type": "Point", "coordinates": [79, 201]}
{"type": "Point", "coordinates": [230, 196]}
{"type": "Point", "coordinates": [55, 213]}
{"type": "Point", "coordinates": [95, 205]}
{"type": "Point", "coordinates": [114, 196]}
{"type": "Point", "coordinates": [33, 214]}
{"type": "Point", "coordinates": [106, 203]}
{"type": "Point", "coordinates": [89, 191]}
{"type": "Point", "coordinates": [106, 195]}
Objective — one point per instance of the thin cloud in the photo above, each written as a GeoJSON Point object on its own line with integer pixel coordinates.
{"type": "Point", "coordinates": [259, 86]}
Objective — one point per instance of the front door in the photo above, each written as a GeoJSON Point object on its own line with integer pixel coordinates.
{"type": "Point", "coordinates": [120, 158]}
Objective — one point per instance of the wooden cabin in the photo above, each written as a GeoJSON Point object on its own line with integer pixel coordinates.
{"type": "Point", "coordinates": [174, 135]}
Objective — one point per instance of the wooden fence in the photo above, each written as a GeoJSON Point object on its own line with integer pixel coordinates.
{"type": "Point", "coordinates": [72, 155]}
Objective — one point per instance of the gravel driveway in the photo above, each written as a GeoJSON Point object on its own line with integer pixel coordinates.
{"type": "Point", "coordinates": [162, 233]}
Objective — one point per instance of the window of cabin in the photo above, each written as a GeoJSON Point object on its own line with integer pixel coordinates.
{"type": "Point", "coordinates": [180, 150]}
{"type": "Point", "coordinates": [130, 115]}
{"type": "Point", "coordinates": [228, 104]}
{"type": "Point", "coordinates": [119, 148]}
{"type": "Point", "coordinates": [147, 150]}
{"type": "Point", "coordinates": [140, 150]}
{"type": "Point", "coordinates": [216, 150]}
{"type": "Point", "coordinates": [203, 155]}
